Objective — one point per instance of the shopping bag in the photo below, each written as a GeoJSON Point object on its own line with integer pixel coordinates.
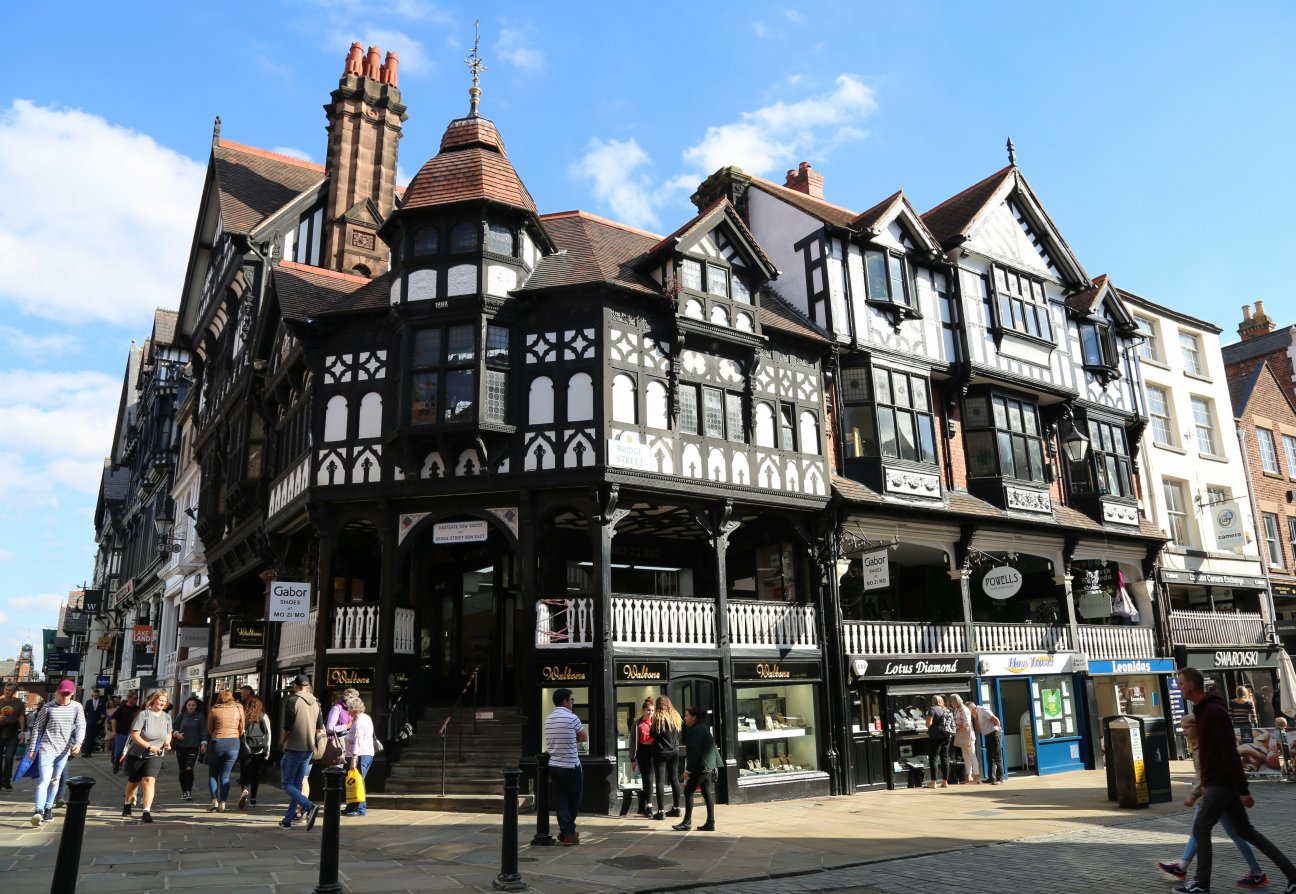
{"type": "Point", "coordinates": [355, 790]}
{"type": "Point", "coordinates": [27, 766]}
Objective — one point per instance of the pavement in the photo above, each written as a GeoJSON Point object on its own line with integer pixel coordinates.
{"type": "Point", "coordinates": [1034, 834]}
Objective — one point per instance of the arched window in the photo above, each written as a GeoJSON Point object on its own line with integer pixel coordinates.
{"type": "Point", "coordinates": [541, 404]}
{"type": "Point", "coordinates": [720, 315]}
{"type": "Point", "coordinates": [624, 402]}
{"type": "Point", "coordinates": [657, 416]}
{"type": "Point", "coordinates": [580, 398]}
{"type": "Point", "coordinates": [426, 241]}
{"type": "Point", "coordinates": [764, 415]}
{"type": "Point", "coordinates": [464, 237]}
{"type": "Point", "coordinates": [371, 415]}
{"type": "Point", "coordinates": [335, 418]}
{"type": "Point", "coordinates": [809, 432]}
{"type": "Point", "coordinates": [499, 239]}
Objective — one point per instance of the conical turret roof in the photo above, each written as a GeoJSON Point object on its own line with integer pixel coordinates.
{"type": "Point", "coordinates": [472, 165]}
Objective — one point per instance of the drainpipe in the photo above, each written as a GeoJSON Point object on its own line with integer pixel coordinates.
{"type": "Point", "coordinates": [1266, 603]}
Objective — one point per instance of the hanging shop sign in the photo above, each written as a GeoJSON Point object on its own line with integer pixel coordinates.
{"type": "Point", "coordinates": [1206, 578]}
{"type": "Point", "coordinates": [104, 643]}
{"type": "Point", "coordinates": [92, 601]}
{"type": "Point", "coordinates": [62, 663]}
{"type": "Point", "coordinates": [342, 677]}
{"type": "Point", "coordinates": [131, 685]}
{"type": "Point", "coordinates": [643, 672]}
{"type": "Point", "coordinates": [191, 636]}
{"type": "Point", "coordinates": [247, 635]}
{"type": "Point", "coordinates": [573, 672]}
{"type": "Point", "coordinates": [1001, 582]}
{"type": "Point", "coordinates": [1026, 665]}
{"type": "Point", "coordinates": [1227, 518]}
{"type": "Point", "coordinates": [769, 671]}
{"type": "Point", "coordinates": [460, 532]}
{"type": "Point", "coordinates": [891, 667]}
{"type": "Point", "coordinates": [1132, 666]}
{"type": "Point", "coordinates": [142, 634]}
{"type": "Point", "coordinates": [144, 662]}
{"type": "Point", "coordinates": [103, 681]}
{"type": "Point", "coordinates": [289, 601]}
{"type": "Point", "coordinates": [877, 570]}
{"type": "Point", "coordinates": [196, 671]}
{"type": "Point", "coordinates": [76, 621]}
{"type": "Point", "coordinates": [1280, 589]}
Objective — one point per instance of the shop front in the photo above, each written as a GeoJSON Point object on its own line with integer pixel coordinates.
{"type": "Point", "coordinates": [1140, 686]}
{"type": "Point", "coordinates": [890, 696]}
{"type": "Point", "coordinates": [1042, 709]}
{"type": "Point", "coordinates": [1228, 667]}
{"type": "Point", "coordinates": [775, 738]}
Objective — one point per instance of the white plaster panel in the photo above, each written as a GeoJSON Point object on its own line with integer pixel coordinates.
{"type": "Point", "coordinates": [371, 415]}
{"type": "Point", "coordinates": [461, 280]}
{"type": "Point", "coordinates": [335, 418]}
{"type": "Point", "coordinates": [500, 280]}
{"type": "Point", "coordinates": [423, 285]}
{"type": "Point", "coordinates": [540, 402]}
{"type": "Point", "coordinates": [580, 397]}
{"type": "Point", "coordinates": [397, 288]}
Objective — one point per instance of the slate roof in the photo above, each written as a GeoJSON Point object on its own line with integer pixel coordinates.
{"type": "Point", "coordinates": [964, 504]}
{"type": "Point", "coordinates": [116, 483]}
{"type": "Point", "coordinates": [592, 250]}
{"type": "Point", "coordinates": [305, 292]}
{"type": "Point", "coordinates": [253, 183]}
{"type": "Point", "coordinates": [1241, 387]}
{"type": "Point", "coordinates": [472, 165]}
{"type": "Point", "coordinates": [950, 220]}
{"type": "Point", "coordinates": [1269, 343]}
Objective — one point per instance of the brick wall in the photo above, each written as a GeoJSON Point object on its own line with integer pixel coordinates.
{"type": "Point", "coordinates": [1269, 408]}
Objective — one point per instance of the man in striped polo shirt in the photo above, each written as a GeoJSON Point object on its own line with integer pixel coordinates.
{"type": "Point", "coordinates": [60, 728]}
{"type": "Point", "coordinates": [563, 730]}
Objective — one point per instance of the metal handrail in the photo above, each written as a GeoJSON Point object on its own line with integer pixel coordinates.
{"type": "Point", "coordinates": [470, 683]}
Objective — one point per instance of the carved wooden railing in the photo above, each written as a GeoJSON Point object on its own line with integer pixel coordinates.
{"type": "Point", "coordinates": [779, 624]}
{"type": "Point", "coordinates": [1217, 629]}
{"type": "Point", "coordinates": [1099, 642]}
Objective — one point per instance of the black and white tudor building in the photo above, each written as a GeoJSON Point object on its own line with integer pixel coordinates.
{"type": "Point", "coordinates": [777, 464]}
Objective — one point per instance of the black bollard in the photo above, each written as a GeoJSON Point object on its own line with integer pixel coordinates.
{"type": "Point", "coordinates": [509, 879]}
{"type": "Point", "coordinates": [542, 838]}
{"type": "Point", "coordinates": [331, 843]}
{"type": "Point", "coordinates": [69, 852]}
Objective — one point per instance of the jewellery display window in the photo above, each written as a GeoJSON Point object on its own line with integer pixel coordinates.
{"type": "Point", "coordinates": [629, 710]}
{"type": "Point", "coordinates": [776, 733]}
{"type": "Point", "coordinates": [906, 708]}
{"type": "Point", "coordinates": [580, 707]}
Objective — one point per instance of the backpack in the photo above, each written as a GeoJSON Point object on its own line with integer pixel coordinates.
{"type": "Point", "coordinates": [947, 722]}
{"type": "Point", "coordinates": [254, 736]}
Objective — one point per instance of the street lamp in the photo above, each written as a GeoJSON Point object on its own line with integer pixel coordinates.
{"type": "Point", "coordinates": [1074, 443]}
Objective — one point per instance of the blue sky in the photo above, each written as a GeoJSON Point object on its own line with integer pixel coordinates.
{"type": "Point", "coordinates": [1154, 133]}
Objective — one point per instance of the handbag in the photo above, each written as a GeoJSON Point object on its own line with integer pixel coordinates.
{"type": "Point", "coordinates": [29, 766]}
{"type": "Point", "coordinates": [321, 743]}
{"type": "Point", "coordinates": [378, 745]}
{"type": "Point", "coordinates": [334, 753]}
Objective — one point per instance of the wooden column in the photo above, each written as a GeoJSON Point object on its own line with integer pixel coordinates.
{"type": "Point", "coordinates": [601, 788]}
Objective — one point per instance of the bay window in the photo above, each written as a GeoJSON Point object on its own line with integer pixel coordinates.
{"type": "Point", "coordinates": [1004, 438]}
{"type": "Point", "coordinates": [1021, 305]}
{"type": "Point", "coordinates": [888, 413]}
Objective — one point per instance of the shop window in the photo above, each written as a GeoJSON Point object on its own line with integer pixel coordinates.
{"type": "Point", "coordinates": [776, 731]}
{"type": "Point", "coordinates": [580, 707]}
{"type": "Point", "coordinates": [1054, 704]}
{"type": "Point", "coordinates": [629, 704]}
{"type": "Point", "coordinates": [426, 241]}
{"type": "Point", "coordinates": [1003, 438]}
{"type": "Point", "coordinates": [1021, 305]}
{"type": "Point", "coordinates": [906, 715]}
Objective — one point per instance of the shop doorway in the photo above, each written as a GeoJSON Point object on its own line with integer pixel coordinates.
{"type": "Point", "coordinates": [701, 692]}
{"type": "Point", "coordinates": [1013, 705]}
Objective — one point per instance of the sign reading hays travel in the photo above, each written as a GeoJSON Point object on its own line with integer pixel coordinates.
{"type": "Point", "coordinates": [1026, 665]}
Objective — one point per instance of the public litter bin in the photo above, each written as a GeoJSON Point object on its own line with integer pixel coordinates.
{"type": "Point", "coordinates": [1124, 738]}
{"type": "Point", "coordinates": [1156, 757]}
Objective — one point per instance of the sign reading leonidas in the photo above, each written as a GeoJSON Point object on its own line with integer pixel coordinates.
{"type": "Point", "coordinates": [289, 601]}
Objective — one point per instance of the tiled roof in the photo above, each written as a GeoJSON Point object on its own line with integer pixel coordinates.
{"type": "Point", "coordinates": [306, 292]}
{"type": "Point", "coordinates": [952, 217]}
{"type": "Point", "coordinates": [871, 217]}
{"type": "Point", "coordinates": [164, 326]}
{"type": "Point", "coordinates": [116, 482]}
{"type": "Point", "coordinates": [592, 250]}
{"type": "Point", "coordinates": [702, 220]}
{"type": "Point", "coordinates": [961, 503]}
{"type": "Point", "coordinates": [1088, 299]}
{"type": "Point", "coordinates": [471, 165]}
{"type": "Point", "coordinates": [780, 316]}
{"type": "Point", "coordinates": [1269, 343]}
{"type": "Point", "coordinates": [253, 183]}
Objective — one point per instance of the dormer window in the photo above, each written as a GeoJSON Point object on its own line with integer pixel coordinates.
{"type": "Point", "coordinates": [1098, 349]}
{"type": "Point", "coordinates": [888, 279]}
{"type": "Point", "coordinates": [426, 241]}
{"type": "Point", "coordinates": [720, 281]}
{"type": "Point", "coordinates": [717, 281]}
{"type": "Point", "coordinates": [1021, 305]}
{"type": "Point", "coordinates": [691, 275]}
{"type": "Point", "coordinates": [464, 237]}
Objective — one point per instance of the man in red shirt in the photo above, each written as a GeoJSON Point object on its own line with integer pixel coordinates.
{"type": "Point", "coordinates": [1224, 784]}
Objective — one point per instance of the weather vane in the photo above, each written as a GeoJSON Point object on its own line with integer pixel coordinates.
{"type": "Point", "coordinates": [1012, 152]}
{"type": "Point", "coordinates": [476, 66]}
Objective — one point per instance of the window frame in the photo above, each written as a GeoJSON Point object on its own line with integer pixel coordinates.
{"type": "Point", "coordinates": [703, 290]}
{"type": "Point", "coordinates": [866, 401]}
{"type": "Point", "coordinates": [1168, 417]}
{"type": "Point", "coordinates": [1272, 538]}
{"type": "Point", "coordinates": [725, 425]}
{"type": "Point", "coordinates": [496, 365]}
{"type": "Point", "coordinates": [1268, 448]}
{"type": "Point", "coordinates": [1109, 454]}
{"type": "Point", "coordinates": [997, 434]}
{"type": "Point", "coordinates": [1289, 449]}
{"type": "Point", "coordinates": [1199, 429]}
{"type": "Point", "coordinates": [1107, 365]}
{"type": "Point", "coordinates": [1150, 347]}
{"type": "Point", "coordinates": [883, 294]}
{"type": "Point", "coordinates": [444, 368]}
{"type": "Point", "coordinates": [1178, 518]}
{"type": "Point", "coordinates": [1194, 362]}
{"type": "Point", "coordinates": [1003, 299]}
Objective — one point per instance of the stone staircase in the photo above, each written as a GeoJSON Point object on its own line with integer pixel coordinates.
{"type": "Point", "coordinates": [473, 784]}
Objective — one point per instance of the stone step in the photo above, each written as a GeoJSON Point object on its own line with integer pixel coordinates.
{"type": "Point", "coordinates": [450, 803]}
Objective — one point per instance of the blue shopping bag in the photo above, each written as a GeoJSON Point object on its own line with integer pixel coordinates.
{"type": "Point", "coordinates": [28, 765]}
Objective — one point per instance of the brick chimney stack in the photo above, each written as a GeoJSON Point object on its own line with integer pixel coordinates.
{"type": "Point", "coordinates": [1255, 324]}
{"type": "Point", "coordinates": [805, 180]}
{"type": "Point", "coordinates": [364, 130]}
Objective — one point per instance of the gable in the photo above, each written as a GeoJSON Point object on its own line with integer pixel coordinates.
{"type": "Point", "coordinates": [721, 243]}
{"type": "Point", "coordinates": [1007, 233]}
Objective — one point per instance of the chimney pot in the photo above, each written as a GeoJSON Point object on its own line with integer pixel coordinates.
{"type": "Point", "coordinates": [1259, 309]}
{"type": "Point", "coordinates": [804, 166]}
{"type": "Point", "coordinates": [806, 180]}
{"type": "Point", "coordinates": [353, 60]}
{"type": "Point", "coordinates": [372, 65]}
{"type": "Point", "coordinates": [1246, 312]}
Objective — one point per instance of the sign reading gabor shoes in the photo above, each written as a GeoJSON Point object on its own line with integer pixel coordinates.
{"type": "Point", "coordinates": [289, 601]}
{"type": "Point", "coordinates": [877, 571]}
{"type": "Point", "coordinates": [1001, 582]}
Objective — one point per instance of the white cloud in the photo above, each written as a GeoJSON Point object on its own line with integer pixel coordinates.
{"type": "Point", "coordinates": [97, 219]}
{"type": "Point", "coordinates": [40, 347]}
{"type": "Point", "coordinates": [6, 555]}
{"type": "Point", "coordinates": [293, 152]}
{"type": "Point", "coordinates": [516, 49]}
{"type": "Point", "coordinates": [609, 166]}
{"type": "Point", "coordinates": [43, 600]}
{"type": "Point", "coordinates": [760, 29]}
{"type": "Point", "coordinates": [795, 16]}
{"type": "Point", "coordinates": [779, 135]}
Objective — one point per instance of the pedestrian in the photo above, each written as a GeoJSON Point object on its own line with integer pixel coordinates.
{"type": "Point", "coordinates": [225, 724]}
{"type": "Point", "coordinates": [987, 724]}
{"type": "Point", "coordinates": [303, 716]}
{"type": "Point", "coordinates": [965, 739]}
{"type": "Point", "coordinates": [110, 709]}
{"type": "Point", "coordinates": [701, 761]}
{"type": "Point", "coordinates": [1256, 878]}
{"type": "Point", "coordinates": [189, 740]}
{"type": "Point", "coordinates": [255, 750]}
{"type": "Point", "coordinates": [667, 724]}
{"type": "Point", "coordinates": [1264, 707]}
{"type": "Point", "coordinates": [123, 720]}
{"type": "Point", "coordinates": [150, 740]}
{"type": "Point", "coordinates": [1242, 711]}
{"type": "Point", "coordinates": [642, 754]}
{"type": "Point", "coordinates": [94, 712]}
{"type": "Point", "coordinates": [563, 733]}
{"type": "Point", "coordinates": [940, 729]}
{"type": "Point", "coordinates": [360, 747]}
{"type": "Point", "coordinates": [245, 694]}
{"type": "Point", "coordinates": [56, 735]}
{"type": "Point", "coordinates": [13, 722]}
{"type": "Point", "coordinates": [1224, 785]}
{"type": "Point", "coordinates": [337, 726]}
